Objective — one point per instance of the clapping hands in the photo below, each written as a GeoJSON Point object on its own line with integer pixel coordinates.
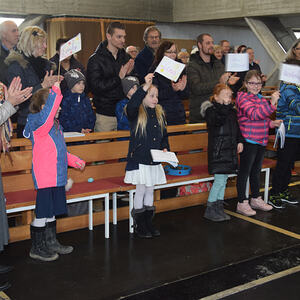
{"type": "Point", "coordinates": [14, 94]}
{"type": "Point", "coordinates": [50, 79]}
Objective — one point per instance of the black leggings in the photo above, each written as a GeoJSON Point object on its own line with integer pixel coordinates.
{"type": "Point", "coordinates": [251, 160]}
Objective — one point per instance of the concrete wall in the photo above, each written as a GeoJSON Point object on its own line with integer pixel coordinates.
{"type": "Point", "coordinates": [200, 10]}
{"type": "Point", "coordinates": [235, 35]}
{"type": "Point", "coordinates": [130, 9]}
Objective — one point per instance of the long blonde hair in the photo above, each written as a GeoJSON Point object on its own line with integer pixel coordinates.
{"type": "Point", "coordinates": [143, 117]}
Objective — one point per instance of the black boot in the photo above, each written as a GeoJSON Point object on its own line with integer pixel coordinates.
{"type": "Point", "coordinates": [220, 206]}
{"type": "Point", "coordinates": [39, 250]}
{"type": "Point", "coordinates": [52, 243]}
{"type": "Point", "coordinates": [150, 212]}
{"type": "Point", "coordinates": [211, 212]}
{"type": "Point", "coordinates": [5, 269]}
{"type": "Point", "coordinates": [139, 223]}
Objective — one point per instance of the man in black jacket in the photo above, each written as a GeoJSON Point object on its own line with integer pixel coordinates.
{"type": "Point", "coordinates": [106, 68]}
{"type": "Point", "coordinates": [9, 35]}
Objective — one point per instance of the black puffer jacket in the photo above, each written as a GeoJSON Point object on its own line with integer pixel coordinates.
{"type": "Point", "coordinates": [223, 136]}
{"type": "Point", "coordinates": [103, 78]}
{"type": "Point", "coordinates": [140, 145]}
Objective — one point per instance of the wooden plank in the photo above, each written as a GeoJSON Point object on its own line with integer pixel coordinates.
{"type": "Point", "coordinates": [16, 161]}
{"type": "Point", "coordinates": [98, 172]}
{"type": "Point", "coordinates": [193, 159]}
{"type": "Point", "coordinates": [100, 151]}
{"type": "Point", "coordinates": [188, 141]}
{"type": "Point", "coordinates": [17, 182]}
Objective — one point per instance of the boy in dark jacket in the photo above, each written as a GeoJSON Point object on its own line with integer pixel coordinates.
{"type": "Point", "coordinates": [130, 85]}
{"type": "Point", "coordinates": [76, 110]}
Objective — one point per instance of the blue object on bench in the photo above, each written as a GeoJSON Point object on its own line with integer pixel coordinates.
{"type": "Point", "coordinates": [180, 170]}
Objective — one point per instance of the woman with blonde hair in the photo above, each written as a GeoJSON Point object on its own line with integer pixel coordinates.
{"type": "Point", "coordinates": [28, 63]}
{"type": "Point", "coordinates": [218, 53]}
{"type": "Point", "coordinates": [184, 56]}
{"type": "Point", "coordinates": [293, 55]}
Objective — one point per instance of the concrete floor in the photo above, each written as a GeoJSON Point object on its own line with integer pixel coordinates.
{"type": "Point", "coordinates": [193, 258]}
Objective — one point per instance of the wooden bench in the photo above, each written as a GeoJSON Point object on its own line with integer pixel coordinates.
{"type": "Point", "coordinates": [190, 143]}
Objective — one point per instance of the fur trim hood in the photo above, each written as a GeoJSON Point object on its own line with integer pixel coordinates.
{"type": "Point", "coordinates": [15, 56]}
{"type": "Point", "coordinates": [204, 106]}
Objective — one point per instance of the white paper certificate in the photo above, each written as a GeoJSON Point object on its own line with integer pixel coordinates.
{"type": "Point", "coordinates": [161, 156]}
{"type": "Point", "coordinates": [70, 47]}
{"type": "Point", "coordinates": [236, 62]}
{"type": "Point", "coordinates": [290, 73]}
{"type": "Point", "coordinates": [170, 68]}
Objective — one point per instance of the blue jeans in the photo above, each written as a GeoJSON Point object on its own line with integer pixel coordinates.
{"type": "Point", "coordinates": [218, 189]}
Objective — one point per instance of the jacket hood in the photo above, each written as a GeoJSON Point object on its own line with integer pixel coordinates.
{"type": "Point", "coordinates": [197, 58]}
{"type": "Point", "coordinates": [15, 56]}
{"type": "Point", "coordinates": [204, 106]}
{"type": "Point", "coordinates": [102, 49]}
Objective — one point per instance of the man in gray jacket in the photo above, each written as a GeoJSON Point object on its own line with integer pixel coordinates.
{"type": "Point", "coordinates": [203, 73]}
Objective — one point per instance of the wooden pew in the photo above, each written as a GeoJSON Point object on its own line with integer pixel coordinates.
{"type": "Point", "coordinates": [106, 165]}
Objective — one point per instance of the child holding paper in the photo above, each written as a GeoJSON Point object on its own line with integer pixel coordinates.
{"type": "Point", "coordinates": [50, 161]}
{"type": "Point", "coordinates": [253, 114]}
{"type": "Point", "coordinates": [288, 110]}
{"type": "Point", "coordinates": [147, 131]}
{"type": "Point", "coordinates": [224, 143]}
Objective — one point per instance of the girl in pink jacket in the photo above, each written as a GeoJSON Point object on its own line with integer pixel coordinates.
{"type": "Point", "coordinates": [50, 161]}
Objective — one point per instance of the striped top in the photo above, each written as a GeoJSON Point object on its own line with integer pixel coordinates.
{"type": "Point", "coordinates": [253, 116]}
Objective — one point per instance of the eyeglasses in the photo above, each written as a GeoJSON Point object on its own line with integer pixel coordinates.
{"type": "Point", "coordinates": [153, 37]}
{"type": "Point", "coordinates": [254, 83]}
{"type": "Point", "coordinates": [171, 52]}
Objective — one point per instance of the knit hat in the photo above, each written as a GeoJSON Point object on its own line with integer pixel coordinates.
{"type": "Point", "coordinates": [72, 77]}
{"type": "Point", "coordinates": [128, 83]}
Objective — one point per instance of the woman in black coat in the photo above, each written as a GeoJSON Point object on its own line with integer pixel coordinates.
{"type": "Point", "coordinates": [34, 70]}
{"type": "Point", "coordinates": [170, 94]}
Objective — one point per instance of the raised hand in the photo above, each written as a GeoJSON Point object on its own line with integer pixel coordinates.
{"type": "Point", "coordinates": [50, 79]}
{"type": "Point", "coordinates": [130, 66]}
{"type": "Point", "coordinates": [274, 98]}
{"type": "Point", "coordinates": [148, 81]}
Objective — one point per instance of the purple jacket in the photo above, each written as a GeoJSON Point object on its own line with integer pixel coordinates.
{"type": "Point", "coordinates": [253, 116]}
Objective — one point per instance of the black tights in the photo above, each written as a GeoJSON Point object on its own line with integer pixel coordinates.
{"type": "Point", "coordinates": [251, 160]}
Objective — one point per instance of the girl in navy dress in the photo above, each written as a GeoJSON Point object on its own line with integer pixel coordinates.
{"type": "Point", "coordinates": [147, 131]}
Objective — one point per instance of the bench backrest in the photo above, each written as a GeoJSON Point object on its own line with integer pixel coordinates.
{"type": "Point", "coordinates": [104, 158]}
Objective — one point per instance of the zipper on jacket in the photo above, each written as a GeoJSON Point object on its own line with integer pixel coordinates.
{"type": "Point", "coordinates": [289, 125]}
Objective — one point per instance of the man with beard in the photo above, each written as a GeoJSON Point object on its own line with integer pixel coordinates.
{"type": "Point", "coordinates": [144, 60]}
{"type": "Point", "coordinates": [105, 70]}
{"type": "Point", "coordinates": [203, 73]}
